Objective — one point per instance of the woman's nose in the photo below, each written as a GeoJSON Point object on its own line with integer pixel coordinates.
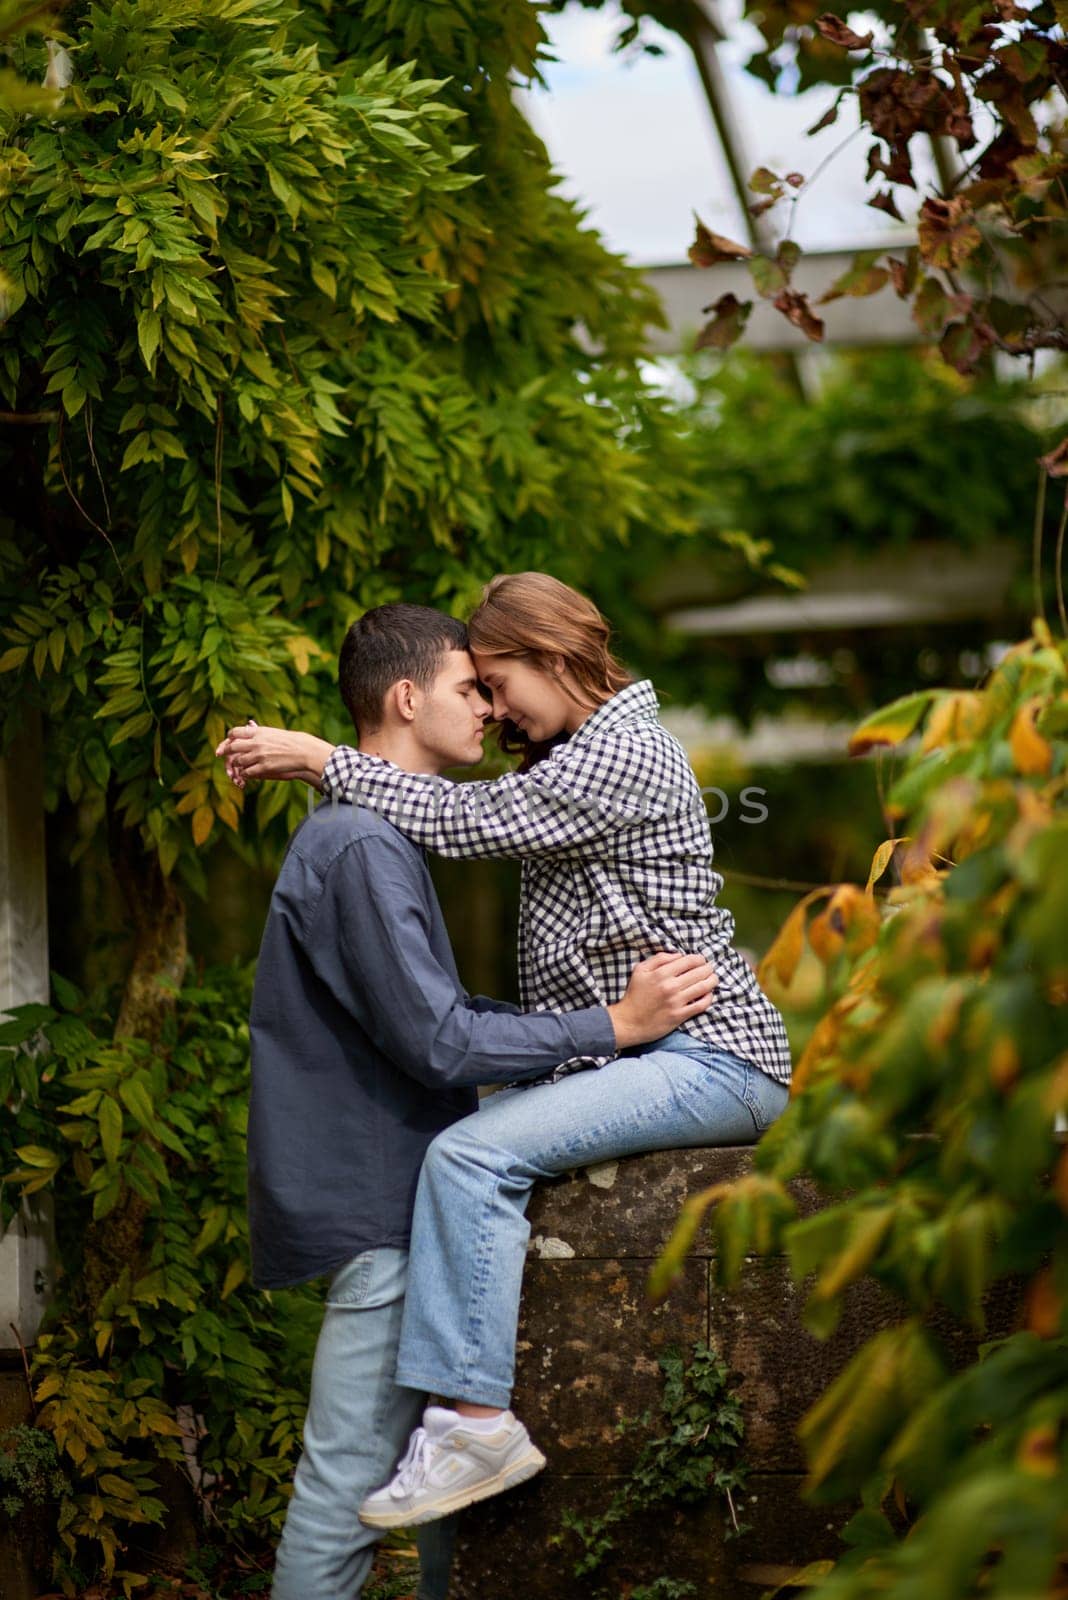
{"type": "Point", "coordinates": [500, 709]}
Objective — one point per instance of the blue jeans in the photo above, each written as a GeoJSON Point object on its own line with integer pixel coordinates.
{"type": "Point", "coordinates": [469, 1234]}
{"type": "Point", "coordinates": [357, 1427]}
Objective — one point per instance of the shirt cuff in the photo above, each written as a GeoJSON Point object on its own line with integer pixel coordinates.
{"type": "Point", "coordinates": [594, 1032]}
{"type": "Point", "coordinates": [339, 771]}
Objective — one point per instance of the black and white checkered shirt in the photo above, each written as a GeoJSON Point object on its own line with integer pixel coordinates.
{"type": "Point", "coordinates": [617, 865]}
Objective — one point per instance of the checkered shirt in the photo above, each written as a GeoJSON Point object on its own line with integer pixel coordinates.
{"type": "Point", "coordinates": [613, 836]}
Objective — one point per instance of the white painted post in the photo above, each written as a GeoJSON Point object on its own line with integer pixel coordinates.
{"type": "Point", "coordinates": [27, 1248]}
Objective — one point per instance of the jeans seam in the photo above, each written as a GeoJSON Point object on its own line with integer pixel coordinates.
{"type": "Point", "coordinates": [472, 1350]}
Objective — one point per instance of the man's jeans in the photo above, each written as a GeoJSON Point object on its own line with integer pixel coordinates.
{"type": "Point", "coordinates": [469, 1234]}
{"type": "Point", "coordinates": [358, 1424]}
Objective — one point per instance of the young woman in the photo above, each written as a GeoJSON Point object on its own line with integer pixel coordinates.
{"type": "Point", "coordinates": [606, 816]}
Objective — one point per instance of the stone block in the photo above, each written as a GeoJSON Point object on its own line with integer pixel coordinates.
{"type": "Point", "coordinates": [524, 1532]}
{"type": "Point", "coordinates": [587, 1356]}
{"type": "Point", "coordinates": [628, 1208]}
{"type": "Point", "coordinates": [588, 1347]}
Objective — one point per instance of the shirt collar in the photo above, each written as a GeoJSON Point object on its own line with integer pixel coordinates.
{"type": "Point", "coordinates": [636, 703]}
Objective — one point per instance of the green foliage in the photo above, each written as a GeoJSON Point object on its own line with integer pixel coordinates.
{"type": "Point", "coordinates": [698, 1457]}
{"type": "Point", "coordinates": [935, 1061]}
{"type": "Point", "coordinates": [891, 451]}
{"type": "Point", "coordinates": [30, 1473]}
{"type": "Point", "coordinates": [289, 327]}
{"type": "Point", "coordinates": [176, 1359]}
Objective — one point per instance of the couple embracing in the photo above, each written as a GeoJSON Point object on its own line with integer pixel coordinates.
{"type": "Point", "coordinates": [370, 1158]}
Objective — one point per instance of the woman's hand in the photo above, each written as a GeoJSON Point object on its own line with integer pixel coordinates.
{"type": "Point", "coordinates": [255, 752]}
{"type": "Point", "coordinates": [663, 992]}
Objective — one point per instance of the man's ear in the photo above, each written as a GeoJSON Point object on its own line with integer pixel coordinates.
{"type": "Point", "coordinates": [401, 699]}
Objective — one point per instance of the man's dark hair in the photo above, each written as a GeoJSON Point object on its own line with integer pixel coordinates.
{"type": "Point", "coordinates": [387, 644]}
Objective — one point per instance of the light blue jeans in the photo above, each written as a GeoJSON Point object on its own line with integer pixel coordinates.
{"type": "Point", "coordinates": [469, 1234]}
{"type": "Point", "coordinates": [357, 1427]}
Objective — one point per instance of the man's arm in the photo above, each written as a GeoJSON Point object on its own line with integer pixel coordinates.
{"type": "Point", "coordinates": [485, 1002]}
{"type": "Point", "coordinates": [369, 942]}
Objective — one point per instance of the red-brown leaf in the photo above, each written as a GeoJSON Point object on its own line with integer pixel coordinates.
{"type": "Point", "coordinates": [709, 249]}
{"type": "Point", "coordinates": [963, 345]}
{"type": "Point", "coordinates": [903, 274]}
{"type": "Point", "coordinates": [947, 232]}
{"type": "Point", "coordinates": [729, 317]}
{"type": "Point", "coordinates": [829, 117]}
{"type": "Point", "coordinates": [796, 309]}
{"type": "Point", "coordinates": [835, 31]}
{"type": "Point", "coordinates": [884, 201]}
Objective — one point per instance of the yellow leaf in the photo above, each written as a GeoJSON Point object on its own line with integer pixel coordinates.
{"type": "Point", "coordinates": [1043, 1304]}
{"type": "Point", "coordinates": [236, 1274]}
{"type": "Point", "coordinates": [300, 647]}
{"type": "Point", "coordinates": [1004, 1063]}
{"type": "Point", "coordinates": [865, 1238]}
{"type": "Point", "coordinates": [789, 944]}
{"type": "Point", "coordinates": [956, 716]}
{"type": "Point", "coordinates": [820, 1045]}
{"type": "Point", "coordinates": [190, 552]}
{"type": "Point", "coordinates": [1031, 753]}
{"type": "Point", "coordinates": [1039, 1451]}
{"type": "Point", "coordinates": [849, 912]}
{"type": "Point", "coordinates": [203, 821]}
{"type": "Point", "coordinates": [880, 861]}
{"type": "Point", "coordinates": [228, 813]}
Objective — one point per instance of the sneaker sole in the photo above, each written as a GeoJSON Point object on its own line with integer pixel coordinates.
{"type": "Point", "coordinates": [526, 1467]}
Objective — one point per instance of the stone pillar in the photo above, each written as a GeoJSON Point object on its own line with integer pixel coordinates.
{"type": "Point", "coordinates": [587, 1360]}
{"type": "Point", "coordinates": [26, 1249]}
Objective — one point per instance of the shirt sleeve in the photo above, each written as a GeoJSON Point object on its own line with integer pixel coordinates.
{"type": "Point", "coordinates": [369, 941]}
{"type": "Point", "coordinates": [565, 802]}
{"type": "Point", "coordinates": [485, 1002]}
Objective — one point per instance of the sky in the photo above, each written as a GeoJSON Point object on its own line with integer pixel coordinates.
{"type": "Point", "coordinates": [634, 141]}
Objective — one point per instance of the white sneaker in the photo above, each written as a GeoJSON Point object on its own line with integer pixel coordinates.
{"type": "Point", "coordinates": [443, 1471]}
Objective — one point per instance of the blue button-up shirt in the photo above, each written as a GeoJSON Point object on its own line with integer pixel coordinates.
{"type": "Point", "coordinates": [365, 1045]}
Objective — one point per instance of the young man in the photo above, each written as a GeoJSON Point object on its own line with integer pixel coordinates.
{"type": "Point", "coordinates": [364, 1047]}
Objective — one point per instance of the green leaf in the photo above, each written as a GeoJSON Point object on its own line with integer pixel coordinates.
{"type": "Point", "coordinates": [135, 1097]}
{"type": "Point", "coordinates": [891, 724]}
{"type": "Point", "coordinates": [35, 1155]}
{"type": "Point", "coordinates": [148, 336]}
{"type": "Point", "coordinates": [109, 1117]}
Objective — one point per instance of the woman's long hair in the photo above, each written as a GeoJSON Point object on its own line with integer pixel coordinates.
{"type": "Point", "coordinates": [536, 617]}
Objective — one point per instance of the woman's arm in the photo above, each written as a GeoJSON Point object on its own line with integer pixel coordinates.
{"type": "Point", "coordinates": [563, 803]}
{"type": "Point", "coordinates": [255, 752]}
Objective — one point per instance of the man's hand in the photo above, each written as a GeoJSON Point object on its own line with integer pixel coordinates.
{"type": "Point", "coordinates": [663, 992]}
{"type": "Point", "coordinates": [255, 752]}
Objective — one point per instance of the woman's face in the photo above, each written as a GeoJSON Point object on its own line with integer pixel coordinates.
{"type": "Point", "coordinates": [529, 696]}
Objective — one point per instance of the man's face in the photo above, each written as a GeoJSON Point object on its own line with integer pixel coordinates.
{"type": "Point", "coordinates": [451, 717]}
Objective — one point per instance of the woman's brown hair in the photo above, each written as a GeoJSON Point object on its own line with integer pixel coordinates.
{"type": "Point", "coordinates": [534, 616]}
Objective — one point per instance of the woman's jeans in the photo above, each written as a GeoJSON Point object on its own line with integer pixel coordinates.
{"type": "Point", "coordinates": [357, 1426]}
{"type": "Point", "coordinates": [469, 1234]}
